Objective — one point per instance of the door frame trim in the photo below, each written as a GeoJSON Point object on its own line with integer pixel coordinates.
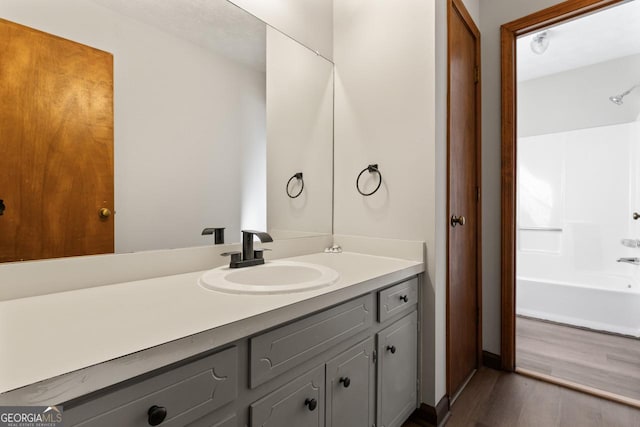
{"type": "Point", "coordinates": [508, 33]}
{"type": "Point", "coordinates": [457, 6]}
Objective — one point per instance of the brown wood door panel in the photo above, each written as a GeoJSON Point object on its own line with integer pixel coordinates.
{"type": "Point", "coordinates": [463, 171]}
{"type": "Point", "coordinates": [56, 133]}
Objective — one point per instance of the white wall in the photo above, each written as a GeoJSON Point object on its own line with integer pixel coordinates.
{"type": "Point", "coordinates": [578, 98]}
{"type": "Point", "coordinates": [494, 13]}
{"type": "Point", "coordinates": [391, 109]}
{"type": "Point", "coordinates": [385, 113]}
{"type": "Point", "coordinates": [308, 21]}
{"type": "Point", "coordinates": [473, 7]}
{"type": "Point", "coordinates": [300, 135]}
{"type": "Point", "coordinates": [437, 335]}
{"type": "Point", "coordinates": [172, 133]}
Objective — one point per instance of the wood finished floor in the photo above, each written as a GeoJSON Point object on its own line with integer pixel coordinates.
{"type": "Point", "coordinates": [500, 399]}
{"type": "Point", "coordinates": [606, 362]}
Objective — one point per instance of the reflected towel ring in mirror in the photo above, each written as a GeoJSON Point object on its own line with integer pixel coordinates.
{"type": "Point", "coordinates": [371, 169]}
{"type": "Point", "coordinates": [298, 176]}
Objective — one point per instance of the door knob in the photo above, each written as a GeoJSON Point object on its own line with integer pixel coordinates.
{"type": "Point", "coordinates": [311, 404]}
{"type": "Point", "coordinates": [345, 381]}
{"type": "Point", "coordinates": [104, 213]}
{"type": "Point", "coordinates": [156, 414]}
{"type": "Point", "coordinates": [636, 215]}
{"type": "Point", "coordinates": [455, 220]}
{"type": "Point", "coordinates": [2, 207]}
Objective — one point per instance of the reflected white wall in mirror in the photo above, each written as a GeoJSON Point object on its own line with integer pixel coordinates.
{"type": "Point", "coordinates": [300, 135]}
{"type": "Point", "coordinates": [190, 114]}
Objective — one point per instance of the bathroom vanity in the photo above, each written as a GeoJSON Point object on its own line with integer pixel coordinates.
{"type": "Point", "coordinates": [343, 355]}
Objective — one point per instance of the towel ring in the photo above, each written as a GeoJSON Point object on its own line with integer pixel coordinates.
{"type": "Point", "coordinates": [298, 176]}
{"type": "Point", "coordinates": [371, 169]}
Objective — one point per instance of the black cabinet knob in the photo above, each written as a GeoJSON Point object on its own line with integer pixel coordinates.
{"type": "Point", "coordinates": [392, 349]}
{"type": "Point", "coordinates": [311, 404]}
{"type": "Point", "coordinates": [157, 414]}
{"type": "Point", "coordinates": [404, 298]}
{"type": "Point", "coordinates": [345, 381]}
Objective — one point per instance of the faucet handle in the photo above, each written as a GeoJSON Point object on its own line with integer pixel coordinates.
{"type": "Point", "coordinates": [218, 234]}
{"type": "Point", "coordinates": [236, 256]}
{"type": "Point", "coordinates": [259, 252]}
{"type": "Point", "coordinates": [631, 243]}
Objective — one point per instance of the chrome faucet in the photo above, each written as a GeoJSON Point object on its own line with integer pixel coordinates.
{"type": "Point", "coordinates": [634, 261]}
{"type": "Point", "coordinates": [249, 256]}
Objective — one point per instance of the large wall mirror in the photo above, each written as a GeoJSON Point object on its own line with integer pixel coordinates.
{"type": "Point", "coordinates": [218, 119]}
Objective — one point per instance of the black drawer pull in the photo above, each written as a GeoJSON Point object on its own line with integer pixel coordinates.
{"type": "Point", "coordinates": [404, 298]}
{"type": "Point", "coordinates": [311, 404]}
{"type": "Point", "coordinates": [157, 414]}
{"type": "Point", "coordinates": [345, 381]}
{"type": "Point", "coordinates": [392, 349]}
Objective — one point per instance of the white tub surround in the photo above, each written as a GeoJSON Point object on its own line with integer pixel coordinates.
{"type": "Point", "coordinates": [604, 303]}
{"type": "Point", "coordinates": [60, 346]}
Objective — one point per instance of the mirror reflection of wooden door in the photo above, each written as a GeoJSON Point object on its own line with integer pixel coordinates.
{"type": "Point", "coordinates": [56, 146]}
{"type": "Point", "coordinates": [463, 287]}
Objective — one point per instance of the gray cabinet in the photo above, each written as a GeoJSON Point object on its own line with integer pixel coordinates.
{"type": "Point", "coordinates": [335, 368]}
{"type": "Point", "coordinates": [177, 396]}
{"type": "Point", "coordinates": [281, 349]}
{"type": "Point", "coordinates": [397, 371]}
{"type": "Point", "coordinates": [229, 422]}
{"type": "Point", "coordinates": [351, 387]}
{"type": "Point", "coordinates": [400, 298]}
{"type": "Point", "coordinates": [299, 403]}
{"type": "Point", "coordinates": [215, 420]}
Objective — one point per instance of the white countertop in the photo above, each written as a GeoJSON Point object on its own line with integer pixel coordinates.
{"type": "Point", "coordinates": [60, 346]}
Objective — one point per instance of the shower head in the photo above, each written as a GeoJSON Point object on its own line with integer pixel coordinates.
{"type": "Point", "coordinates": [617, 99]}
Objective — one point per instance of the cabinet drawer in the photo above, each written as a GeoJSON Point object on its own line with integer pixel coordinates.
{"type": "Point", "coordinates": [279, 350]}
{"type": "Point", "coordinates": [187, 393]}
{"type": "Point", "coordinates": [299, 403]}
{"type": "Point", "coordinates": [399, 298]}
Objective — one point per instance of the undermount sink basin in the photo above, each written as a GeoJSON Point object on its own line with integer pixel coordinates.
{"type": "Point", "coordinates": [274, 277]}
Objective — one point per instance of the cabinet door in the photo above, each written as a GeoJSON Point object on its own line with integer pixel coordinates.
{"type": "Point", "coordinates": [351, 387]}
{"type": "Point", "coordinates": [215, 420]}
{"type": "Point", "coordinates": [299, 403]}
{"type": "Point", "coordinates": [398, 371]}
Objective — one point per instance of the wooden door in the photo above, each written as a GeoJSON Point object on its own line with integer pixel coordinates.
{"type": "Point", "coordinates": [463, 287]}
{"type": "Point", "coordinates": [56, 146]}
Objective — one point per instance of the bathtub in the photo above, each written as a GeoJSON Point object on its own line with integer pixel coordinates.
{"type": "Point", "coordinates": [614, 308]}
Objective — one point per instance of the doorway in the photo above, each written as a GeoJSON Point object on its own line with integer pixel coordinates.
{"type": "Point", "coordinates": [570, 186]}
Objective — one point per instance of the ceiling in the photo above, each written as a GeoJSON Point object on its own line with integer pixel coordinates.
{"type": "Point", "coordinates": [602, 36]}
{"type": "Point", "coordinates": [215, 25]}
